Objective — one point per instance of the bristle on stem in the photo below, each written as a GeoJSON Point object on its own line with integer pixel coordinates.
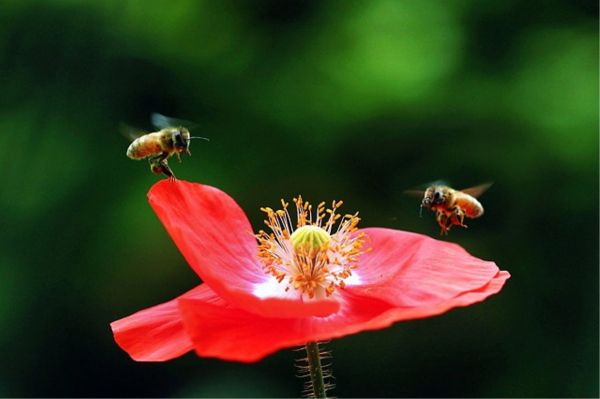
{"type": "Point", "coordinates": [319, 374]}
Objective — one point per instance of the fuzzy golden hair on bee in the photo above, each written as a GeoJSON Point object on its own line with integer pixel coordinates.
{"type": "Point", "coordinates": [451, 206]}
{"type": "Point", "coordinates": [157, 147]}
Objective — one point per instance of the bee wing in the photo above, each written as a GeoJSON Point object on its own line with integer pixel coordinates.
{"type": "Point", "coordinates": [439, 182]}
{"type": "Point", "coordinates": [419, 190]}
{"type": "Point", "coordinates": [129, 132]}
{"type": "Point", "coordinates": [161, 121]}
{"type": "Point", "coordinates": [414, 193]}
{"type": "Point", "coordinates": [477, 190]}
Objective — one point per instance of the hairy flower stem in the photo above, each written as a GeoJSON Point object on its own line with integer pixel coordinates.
{"type": "Point", "coordinates": [315, 369]}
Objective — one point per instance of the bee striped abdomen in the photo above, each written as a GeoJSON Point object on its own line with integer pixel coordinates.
{"type": "Point", "coordinates": [145, 146]}
{"type": "Point", "coordinates": [470, 206]}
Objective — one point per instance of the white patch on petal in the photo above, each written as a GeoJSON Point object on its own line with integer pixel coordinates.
{"type": "Point", "coordinates": [354, 279]}
{"type": "Point", "coordinates": [271, 288]}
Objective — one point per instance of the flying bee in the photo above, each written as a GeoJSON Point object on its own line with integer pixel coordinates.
{"type": "Point", "coordinates": [158, 147]}
{"type": "Point", "coordinates": [452, 206]}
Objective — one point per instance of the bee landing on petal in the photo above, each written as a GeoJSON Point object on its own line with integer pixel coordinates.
{"type": "Point", "coordinates": [158, 147]}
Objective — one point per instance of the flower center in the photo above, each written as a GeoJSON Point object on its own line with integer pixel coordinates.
{"type": "Point", "coordinates": [309, 238]}
{"type": "Point", "coordinates": [317, 253]}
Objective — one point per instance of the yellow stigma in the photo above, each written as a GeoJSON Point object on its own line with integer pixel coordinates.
{"type": "Point", "coordinates": [310, 238]}
{"type": "Point", "coordinates": [315, 254]}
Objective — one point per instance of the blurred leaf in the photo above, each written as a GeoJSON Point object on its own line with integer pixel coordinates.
{"type": "Point", "coordinates": [556, 90]}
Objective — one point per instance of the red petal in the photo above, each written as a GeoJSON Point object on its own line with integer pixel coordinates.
{"type": "Point", "coordinates": [214, 235]}
{"type": "Point", "coordinates": [408, 269]}
{"type": "Point", "coordinates": [157, 333]}
{"type": "Point", "coordinates": [221, 331]}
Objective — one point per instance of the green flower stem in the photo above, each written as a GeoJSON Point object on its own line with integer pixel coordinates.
{"type": "Point", "coordinates": [316, 369]}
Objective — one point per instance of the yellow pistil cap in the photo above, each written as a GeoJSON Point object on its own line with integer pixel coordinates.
{"type": "Point", "coordinates": [309, 238]}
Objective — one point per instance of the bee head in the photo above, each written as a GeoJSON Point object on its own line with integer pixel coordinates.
{"type": "Point", "coordinates": [433, 196]}
{"type": "Point", "coordinates": [181, 139]}
{"type": "Point", "coordinates": [437, 196]}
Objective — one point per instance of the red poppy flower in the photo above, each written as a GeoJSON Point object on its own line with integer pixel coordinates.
{"type": "Point", "coordinates": [314, 280]}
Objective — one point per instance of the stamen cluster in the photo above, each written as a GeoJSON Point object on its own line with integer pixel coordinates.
{"type": "Point", "coordinates": [317, 253]}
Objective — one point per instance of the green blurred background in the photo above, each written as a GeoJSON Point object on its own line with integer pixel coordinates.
{"type": "Point", "coordinates": [353, 100]}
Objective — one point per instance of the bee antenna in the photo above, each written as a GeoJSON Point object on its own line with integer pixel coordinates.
{"type": "Point", "coordinates": [202, 138]}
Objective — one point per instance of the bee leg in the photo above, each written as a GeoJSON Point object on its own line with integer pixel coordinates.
{"type": "Point", "coordinates": [158, 168]}
{"type": "Point", "coordinates": [166, 170]}
{"type": "Point", "coordinates": [461, 217]}
{"type": "Point", "coordinates": [447, 226]}
{"type": "Point", "coordinates": [445, 229]}
{"type": "Point", "coordinates": [154, 165]}
{"type": "Point", "coordinates": [159, 165]}
{"type": "Point", "coordinates": [164, 165]}
{"type": "Point", "coordinates": [178, 157]}
{"type": "Point", "coordinates": [458, 217]}
{"type": "Point", "coordinates": [438, 218]}
{"type": "Point", "coordinates": [442, 221]}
